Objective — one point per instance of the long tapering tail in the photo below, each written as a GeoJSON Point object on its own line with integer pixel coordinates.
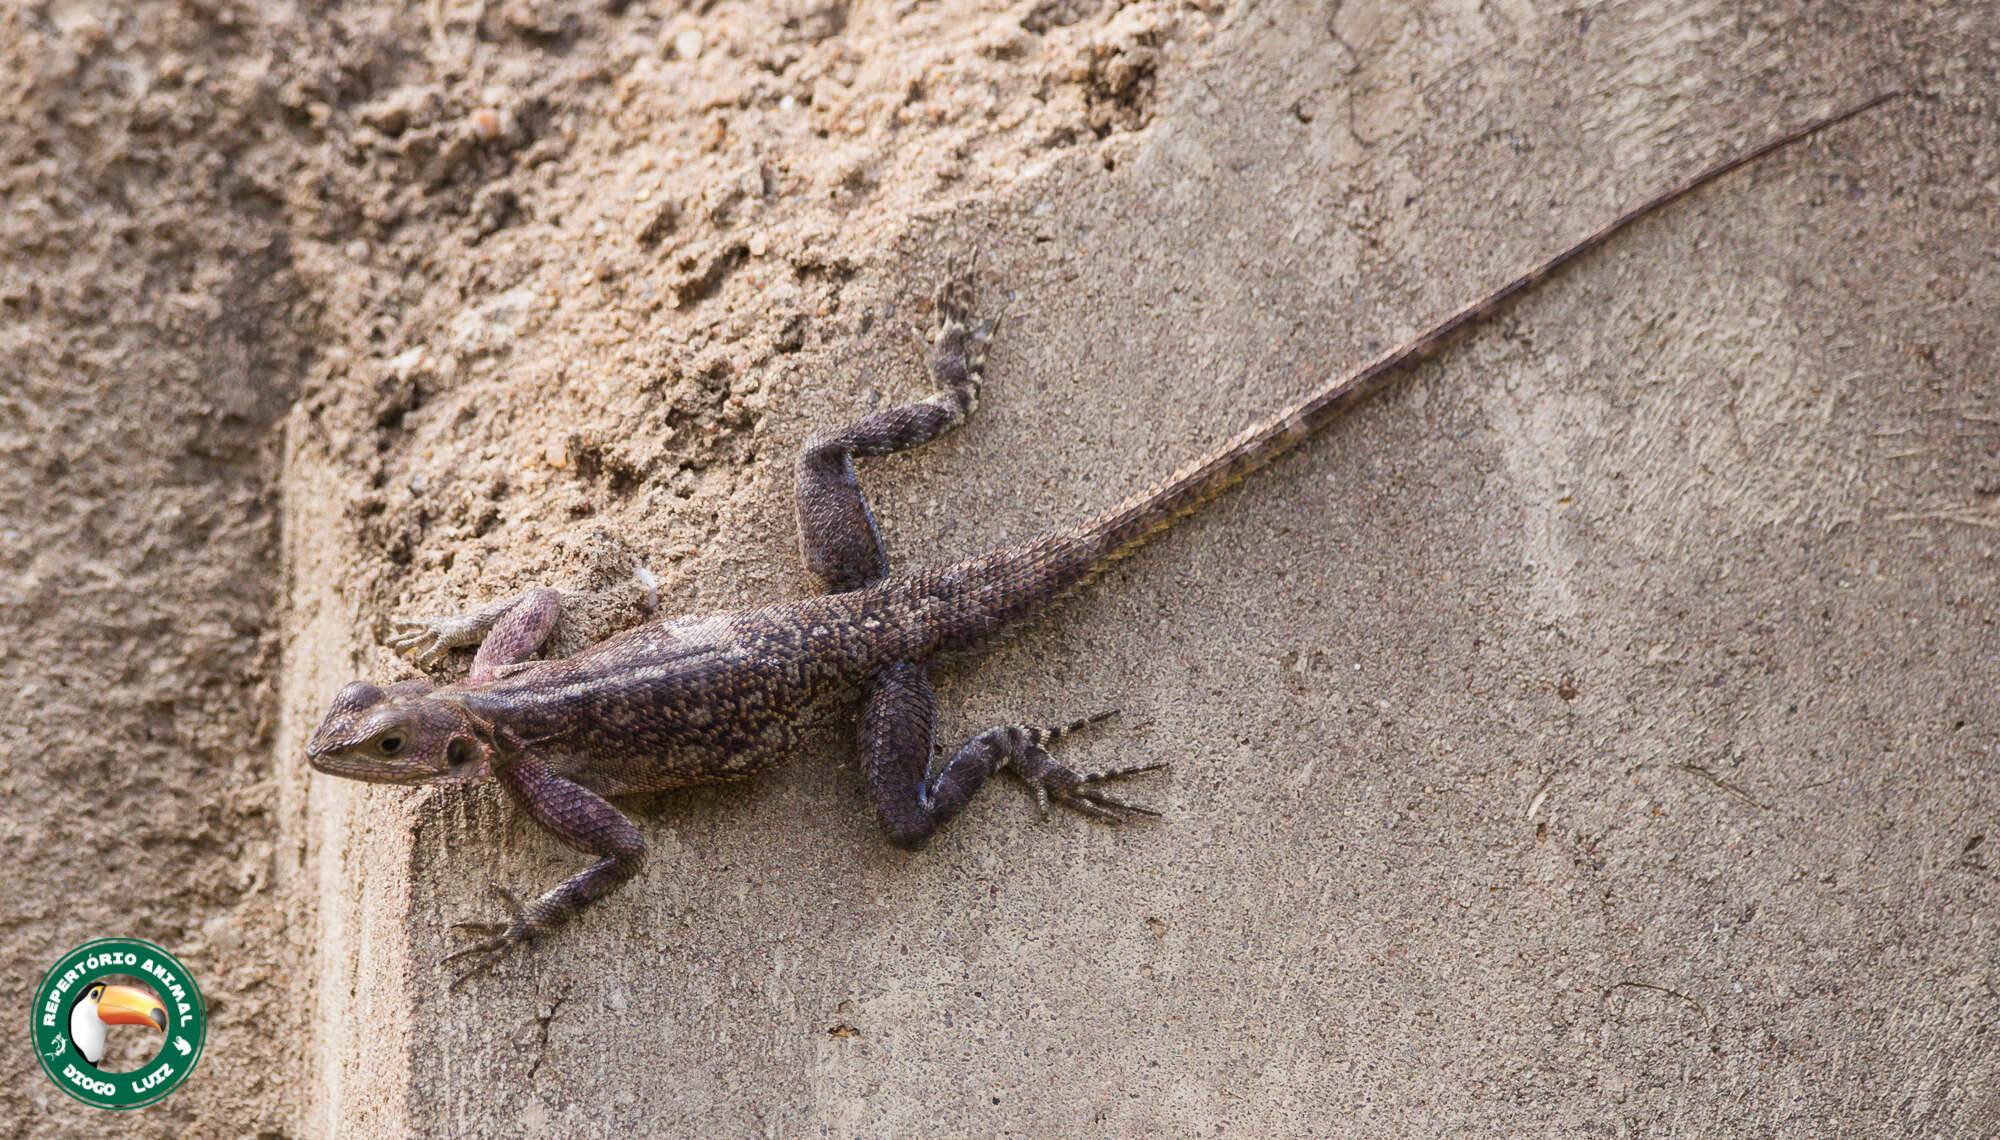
{"type": "Point", "coordinates": [1123, 530]}
{"type": "Point", "coordinates": [1011, 581]}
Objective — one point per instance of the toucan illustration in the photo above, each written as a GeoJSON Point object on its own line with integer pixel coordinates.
{"type": "Point", "coordinates": [102, 1007]}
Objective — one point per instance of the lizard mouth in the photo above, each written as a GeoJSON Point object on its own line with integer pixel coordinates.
{"type": "Point", "coordinates": [374, 770]}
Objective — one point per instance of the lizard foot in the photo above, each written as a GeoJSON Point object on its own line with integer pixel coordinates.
{"type": "Point", "coordinates": [956, 332]}
{"type": "Point", "coordinates": [426, 640]}
{"type": "Point", "coordinates": [1050, 780]}
{"type": "Point", "coordinates": [501, 937]}
{"type": "Point", "coordinates": [1029, 758]}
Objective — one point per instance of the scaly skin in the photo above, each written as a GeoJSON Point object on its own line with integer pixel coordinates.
{"type": "Point", "coordinates": [717, 697]}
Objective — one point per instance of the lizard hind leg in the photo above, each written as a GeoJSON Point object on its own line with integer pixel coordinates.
{"type": "Point", "coordinates": [837, 532]}
{"type": "Point", "coordinates": [914, 796]}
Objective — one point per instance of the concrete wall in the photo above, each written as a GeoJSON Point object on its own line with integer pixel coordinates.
{"type": "Point", "coordinates": [1593, 736]}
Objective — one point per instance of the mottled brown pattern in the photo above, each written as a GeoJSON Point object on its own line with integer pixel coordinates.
{"type": "Point", "coordinates": [711, 698]}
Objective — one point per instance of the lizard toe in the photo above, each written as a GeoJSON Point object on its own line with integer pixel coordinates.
{"type": "Point", "coordinates": [502, 935]}
{"type": "Point", "coordinates": [485, 955]}
{"type": "Point", "coordinates": [1049, 780]}
{"type": "Point", "coordinates": [1101, 801]}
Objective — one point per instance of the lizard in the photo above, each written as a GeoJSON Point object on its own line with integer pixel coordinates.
{"type": "Point", "coordinates": [720, 696]}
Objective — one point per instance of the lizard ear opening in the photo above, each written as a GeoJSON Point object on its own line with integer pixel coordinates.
{"type": "Point", "coordinates": [460, 753]}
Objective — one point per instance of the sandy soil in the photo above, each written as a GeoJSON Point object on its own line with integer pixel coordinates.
{"type": "Point", "coordinates": [1593, 737]}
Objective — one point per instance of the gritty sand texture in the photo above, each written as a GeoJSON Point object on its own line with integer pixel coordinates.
{"type": "Point", "coordinates": [1594, 736]}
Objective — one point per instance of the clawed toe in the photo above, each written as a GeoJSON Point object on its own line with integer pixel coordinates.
{"type": "Point", "coordinates": [953, 301]}
{"type": "Point", "coordinates": [502, 936]}
{"type": "Point", "coordinates": [1100, 804]}
{"type": "Point", "coordinates": [1126, 770]}
{"type": "Point", "coordinates": [427, 640]}
{"type": "Point", "coordinates": [1104, 802]}
{"type": "Point", "coordinates": [1051, 780]}
{"type": "Point", "coordinates": [1102, 808]}
{"type": "Point", "coordinates": [494, 945]}
{"type": "Point", "coordinates": [489, 954]}
{"type": "Point", "coordinates": [422, 641]}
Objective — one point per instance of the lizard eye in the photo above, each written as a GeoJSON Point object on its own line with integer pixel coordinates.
{"type": "Point", "coordinates": [390, 744]}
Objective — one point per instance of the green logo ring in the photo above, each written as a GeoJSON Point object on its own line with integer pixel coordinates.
{"type": "Point", "coordinates": [65, 985]}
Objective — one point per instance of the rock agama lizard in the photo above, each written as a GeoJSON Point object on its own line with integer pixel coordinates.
{"type": "Point", "coordinates": [719, 696]}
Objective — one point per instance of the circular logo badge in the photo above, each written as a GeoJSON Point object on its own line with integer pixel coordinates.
{"type": "Point", "coordinates": [118, 998]}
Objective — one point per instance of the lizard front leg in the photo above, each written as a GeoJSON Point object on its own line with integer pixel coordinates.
{"type": "Point", "coordinates": [837, 532]}
{"type": "Point", "coordinates": [584, 820]}
{"type": "Point", "coordinates": [914, 796]}
{"type": "Point", "coordinates": [507, 632]}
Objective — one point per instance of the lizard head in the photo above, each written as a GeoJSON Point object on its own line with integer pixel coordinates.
{"type": "Point", "coordinates": [397, 735]}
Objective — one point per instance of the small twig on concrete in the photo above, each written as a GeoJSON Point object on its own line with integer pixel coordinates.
{"type": "Point", "coordinates": [1616, 986]}
{"type": "Point", "coordinates": [1725, 785]}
